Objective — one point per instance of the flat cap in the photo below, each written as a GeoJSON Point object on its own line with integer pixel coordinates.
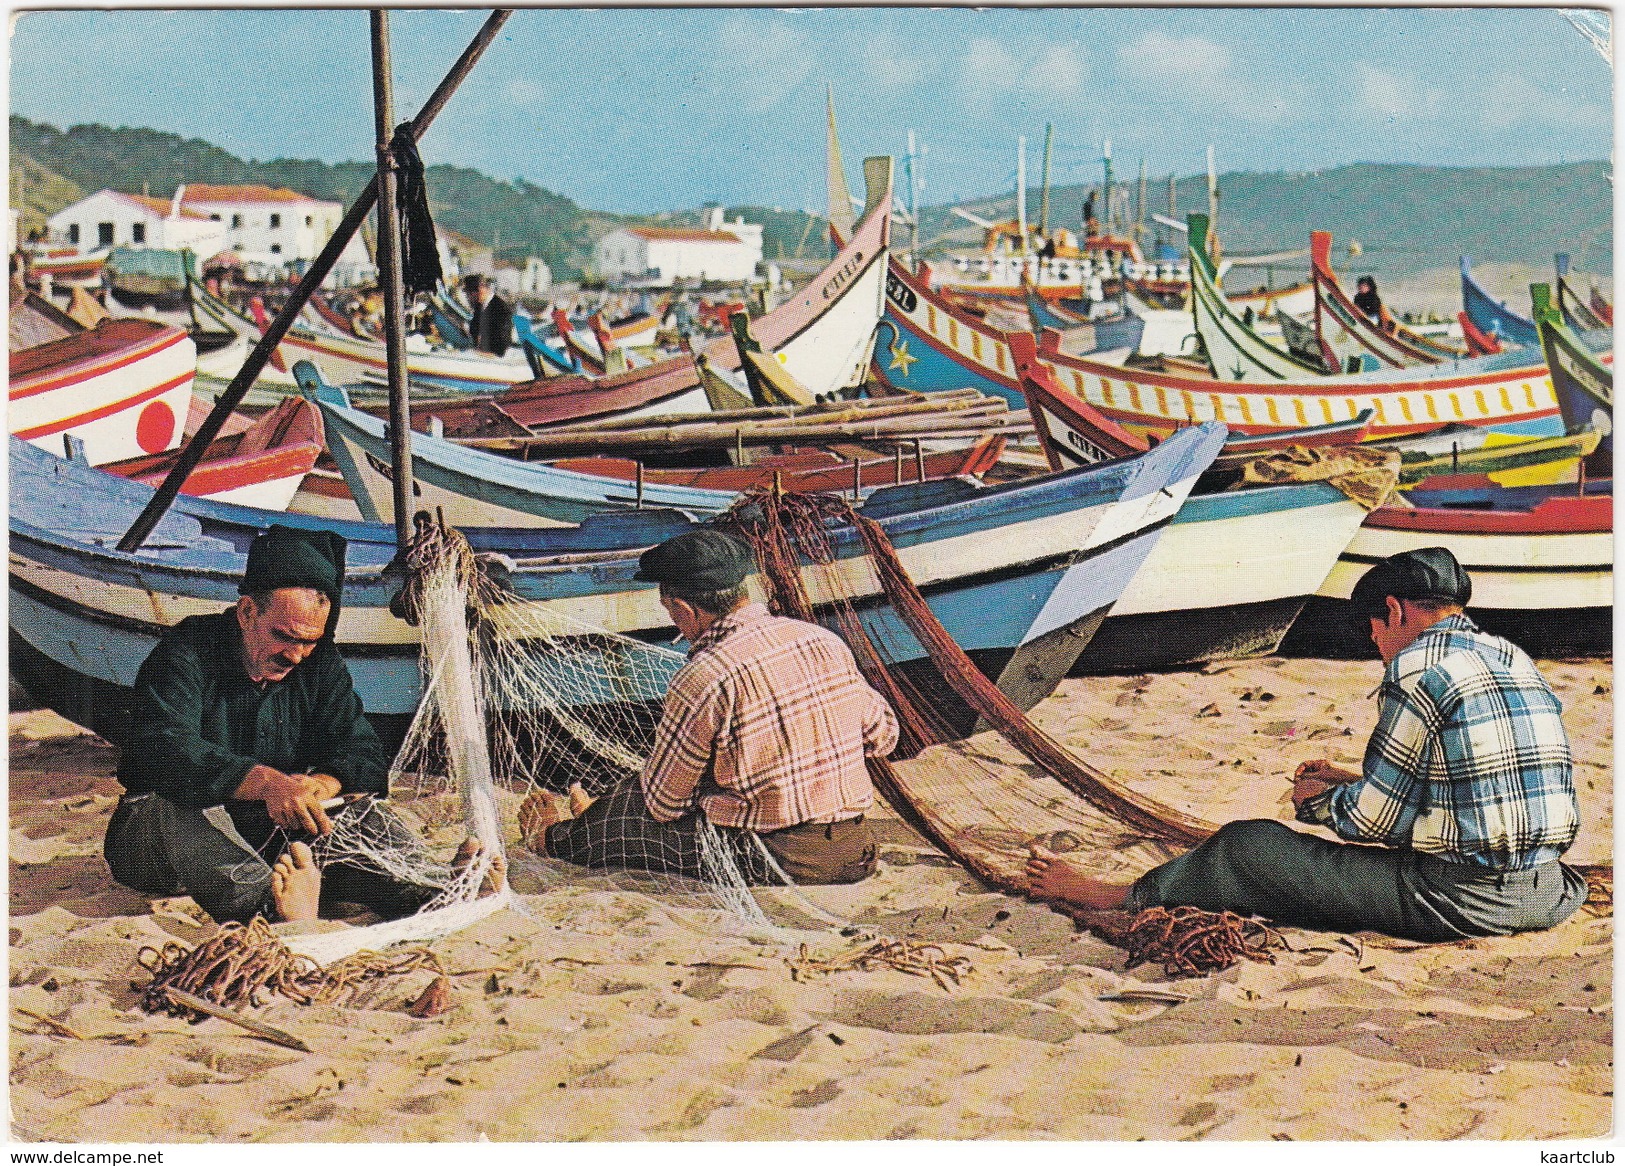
{"type": "Point", "coordinates": [1429, 573]}
{"type": "Point", "coordinates": [697, 560]}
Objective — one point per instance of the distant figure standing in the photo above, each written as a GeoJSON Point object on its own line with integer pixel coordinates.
{"type": "Point", "coordinates": [1370, 304]}
{"type": "Point", "coordinates": [491, 329]}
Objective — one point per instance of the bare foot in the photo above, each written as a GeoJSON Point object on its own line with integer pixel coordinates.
{"type": "Point", "coordinates": [579, 800]}
{"type": "Point", "coordinates": [540, 809]}
{"type": "Point", "coordinates": [1049, 876]}
{"type": "Point", "coordinates": [469, 852]}
{"type": "Point", "coordinates": [296, 885]}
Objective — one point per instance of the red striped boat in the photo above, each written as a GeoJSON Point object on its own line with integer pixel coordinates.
{"type": "Point", "coordinates": [122, 388]}
{"type": "Point", "coordinates": [261, 465]}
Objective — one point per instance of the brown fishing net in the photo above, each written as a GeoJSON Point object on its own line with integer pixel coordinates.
{"type": "Point", "coordinates": [786, 528]}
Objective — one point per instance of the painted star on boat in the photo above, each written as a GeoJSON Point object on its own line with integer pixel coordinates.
{"type": "Point", "coordinates": [901, 357]}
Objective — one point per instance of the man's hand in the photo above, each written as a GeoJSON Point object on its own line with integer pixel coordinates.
{"type": "Point", "coordinates": [293, 800]}
{"type": "Point", "coordinates": [1314, 778]}
{"type": "Point", "coordinates": [1325, 771]}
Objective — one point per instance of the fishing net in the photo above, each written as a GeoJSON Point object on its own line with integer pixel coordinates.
{"type": "Point", "coordinates": [530, 715]}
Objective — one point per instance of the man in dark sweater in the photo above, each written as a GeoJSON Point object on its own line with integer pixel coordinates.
{"type": "Point", "coordinates": [247, 732]}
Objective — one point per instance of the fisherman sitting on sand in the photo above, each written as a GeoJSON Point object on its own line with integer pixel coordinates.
{"type": "Point", "coordinates": [1466, 791]}
{"type": "Point", "coordinates": [245, 729]}
{"type": "Point", "coordinates": [764, 732]}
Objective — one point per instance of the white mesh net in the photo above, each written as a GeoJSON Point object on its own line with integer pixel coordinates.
{"type": "Point", "coordinates": [526, 709]}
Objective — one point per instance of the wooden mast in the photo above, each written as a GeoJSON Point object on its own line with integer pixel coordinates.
{"type": "Point", "coordinates": [390, 279]}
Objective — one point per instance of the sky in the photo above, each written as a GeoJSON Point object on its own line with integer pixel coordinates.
{"type": "Point", "coordinates": [644, 110]}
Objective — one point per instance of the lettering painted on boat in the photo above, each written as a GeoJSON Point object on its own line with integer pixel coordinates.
{"type": "Point", "coordinates": [1090, 451]}
{"type": "Point", "coordinates": [1591, 382]}
{"type": "Point", "coordinates": [901, 294]}
{"type": "Point", "coordinates": [846, 271]}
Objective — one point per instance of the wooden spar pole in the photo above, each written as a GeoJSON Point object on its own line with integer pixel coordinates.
{"type": "Point", "coordinates": [390, 277]}
{"type": "Point", "coordinates": [318, 271]}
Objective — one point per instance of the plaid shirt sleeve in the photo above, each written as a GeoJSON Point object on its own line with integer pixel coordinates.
{"type": "Point", "coordinates": [693, 717]}
{"type": "Point", "coordinates": [879, 727]}
{"type": "Point", "coordinates": [1382, 807]}
{"type": "Point", "coordinates": [1469, 760]}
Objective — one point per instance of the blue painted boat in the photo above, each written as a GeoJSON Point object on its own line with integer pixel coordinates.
{"type": "Point", "coordinates": [1583, 383]}
{"type": "Point", "coordinates": [470, 487]}
{"type": "Point", "coordinates": [1010, 570]}
{"type": "Point", "coordinates": [926, 345]}
{"type": "Point", "coordinates": [1491, 316]}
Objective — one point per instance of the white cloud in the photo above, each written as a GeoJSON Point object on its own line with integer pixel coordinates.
{"type": "Point", "coordinates": [1157, 57]}
{"type": "Point", "coordinates": [773, 58]}
{"type": "Point", "coordinates": [888, 63]}
{"type": "Point", "coordinates": [1186, 68]}
{"type": "Point", "coordinates": [989, 67]}
{"type": "Point", "coordinates": [1057, 71]}
{"type": "Point", "coordinates": [1389, 95]}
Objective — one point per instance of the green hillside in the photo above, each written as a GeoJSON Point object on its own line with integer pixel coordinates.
{"type": "Point", "coordinates": [1405, 218]}
{"type": "Point", "coordinates": [518, 218]}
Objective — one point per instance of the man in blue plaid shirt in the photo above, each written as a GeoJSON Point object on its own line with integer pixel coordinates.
{"type": "Point", "coordinates": [1466, 792]}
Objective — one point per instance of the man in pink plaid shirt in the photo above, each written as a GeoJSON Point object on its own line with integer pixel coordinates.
{"type": "Point", "coordinates": [762, 741]}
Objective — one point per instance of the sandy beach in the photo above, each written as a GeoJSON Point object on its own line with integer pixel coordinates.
{"type": "Point", "coordinates": [600, 1011]}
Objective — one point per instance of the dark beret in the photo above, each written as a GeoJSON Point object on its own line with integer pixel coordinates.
{"type": "Point", "coordinates": [697, 560]}
{"type": "Point", "coordinates": [285, 557]}
{"type": "Point", "coordinates": [1431, 574]}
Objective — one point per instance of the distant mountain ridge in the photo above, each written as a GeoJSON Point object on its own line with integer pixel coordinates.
{"type": "Point", "coordinates": [1406, 218]}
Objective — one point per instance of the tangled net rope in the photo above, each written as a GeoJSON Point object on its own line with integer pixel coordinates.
{"type": "Point", "coordinates": [916, 959]}
{"type": "Point", "coordinates": [1186, 941]}
{"type": "Point", "coordinates": [247, 964]}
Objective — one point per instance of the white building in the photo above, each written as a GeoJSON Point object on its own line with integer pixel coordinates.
{"type": "Point", "coordinates": [264, 225]}
{"type": "Point", "coordinates": [109, 219]}
{"type": "Point", "coordinates": [722, 252]}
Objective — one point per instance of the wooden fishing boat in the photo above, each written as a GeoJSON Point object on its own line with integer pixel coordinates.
{"type": "Point", "coordinates": [1601, 308]}
{"type": "Point", "coordinates": [821, 336]}
{"type": "Point", "coordinates": [472, 487]}
{"type": "Point", "coordinates": [952, 416]}
{"type": "Point", "coordinates": [1122, 330]}
{"type": "Point", "coordinates": [1228, 577]}
{"type": "Point", "coordinates": [809, 471]}
{"type": "Point", "coordinates": [1508, 393]}
{"type": "Point", "coordinates": [1478, 343]}
{"type": "Point", "coordinates": [1540, 557]}
{"type": "Point", "coordinates": [1583, 383]}
{"type": "Point", "coordinates": [924, 344]}
{"type": "Point", "coordinates": [261, 464]}
{"type": "Point", "coordinates": [1576, 312]}
{"type": "Point", "coordinates": [1017, 573]}
{"type": "Point", "coordinates": [1491, 316]}
{"type": "Point", "coordinates": [121, 388]}
{"type": "Point", "coordinates": [1235, 351]}
{"type": "Point", "coordinates": [1073, 432]}
{"type": "Point", "coordinates": [35, 320]}
{"type": "Point", "coordinates": [1344, 332]}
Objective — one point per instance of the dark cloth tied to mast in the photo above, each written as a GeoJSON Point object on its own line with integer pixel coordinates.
{"type": "Point", "coordinates": [420, 258]}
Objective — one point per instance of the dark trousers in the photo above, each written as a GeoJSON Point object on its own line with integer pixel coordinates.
{"type": "Point", "coordinates": [617, 831]}
{"type": "Point", "coordinates": [1266, 868]}
{"type": "Point", "coordinates": [221, 856]}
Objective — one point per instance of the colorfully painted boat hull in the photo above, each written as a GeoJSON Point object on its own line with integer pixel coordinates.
{"type": "Point", "coordinates": [122, 388]}
{"type": "Point", "coordinates": [1003, 567]}
{"type": "Point", "coordinates": [1227, 578]}
{"type": "Point", "coordinates": [1540, 558]}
